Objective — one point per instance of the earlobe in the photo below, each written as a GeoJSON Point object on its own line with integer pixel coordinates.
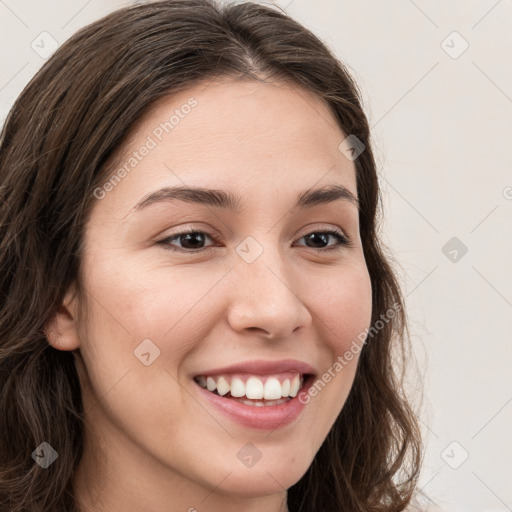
{"type": "Point", "coordinates": [62, 330]}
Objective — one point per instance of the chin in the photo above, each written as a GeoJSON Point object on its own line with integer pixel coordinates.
{"type": "Point", "coordinates": [261, 480]}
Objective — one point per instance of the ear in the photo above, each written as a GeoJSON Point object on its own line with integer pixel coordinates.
{"type": "Point", "coordinates": [62, 329]}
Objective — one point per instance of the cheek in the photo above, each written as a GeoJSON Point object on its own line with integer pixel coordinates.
{"type": "Point", "coordinates": [126, 309]}
{"type": "Point", "coordinates": [344, 306]}
{"type": "Point", "coordinates": [343, 310]}
{"type": "Point", "coordinates": [130, 302]}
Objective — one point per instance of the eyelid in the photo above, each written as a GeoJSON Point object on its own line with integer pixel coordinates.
{"type": "Point", "coordinates": [318, 228]}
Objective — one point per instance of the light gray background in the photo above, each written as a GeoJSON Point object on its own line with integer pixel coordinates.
{"type": "Point", "coordinates": [442, 134]}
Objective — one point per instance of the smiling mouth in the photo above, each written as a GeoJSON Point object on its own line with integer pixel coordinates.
{"type": "Point", "coordinates": [255, 390]}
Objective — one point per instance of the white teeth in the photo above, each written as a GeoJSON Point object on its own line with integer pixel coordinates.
{"type": "Point", "coordinates": [211, 384]}
{"type": "Point", "coordinates": [263, 404]}
{"type": "Point", "coordinates": [285, 388]}
{"type": "Point", "coordinates": [238, 387]}
{"type": "Point", "coordinates": [222, 386]}
{"type": "Point", "coordinates": [272, 390]}
{"type": "Point", "coordinates": [254, 388]}
{"type": "Point", "coordinates": [295, 386]}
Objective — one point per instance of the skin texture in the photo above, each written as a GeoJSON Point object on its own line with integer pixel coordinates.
{"type": "Point", "coordinates": [152, 443]}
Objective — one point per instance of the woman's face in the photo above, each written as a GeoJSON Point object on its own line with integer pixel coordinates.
{"type": "Point", "coordinates": [257, 283]}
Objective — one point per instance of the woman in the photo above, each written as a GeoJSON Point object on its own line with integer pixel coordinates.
{"type": "Point", "coordinates": [197, 312]}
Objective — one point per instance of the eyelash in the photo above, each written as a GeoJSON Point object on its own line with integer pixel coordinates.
{"type": "Point", "coordinates": [343, 241]}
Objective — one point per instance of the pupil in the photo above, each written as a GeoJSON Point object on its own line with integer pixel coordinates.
{"type": "Point", "coordinates": [190, 236]}
{"type": "Point", "coordinates": [322, 236]}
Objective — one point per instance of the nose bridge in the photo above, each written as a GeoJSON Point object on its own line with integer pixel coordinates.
{"type": "Point", "coordinates": [265, 297]}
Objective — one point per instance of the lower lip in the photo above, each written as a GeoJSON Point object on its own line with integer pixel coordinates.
{"type": "Point", "coordinates": [267, 417]}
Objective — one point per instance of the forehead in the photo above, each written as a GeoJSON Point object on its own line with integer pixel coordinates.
{"type": "Point", "coordinates": [236, 134]}
{"type": "Point", "coordinates": [241, 115]}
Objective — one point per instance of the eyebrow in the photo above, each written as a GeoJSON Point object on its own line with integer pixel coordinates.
{"type": "Point", "coordinates": [228, 201]}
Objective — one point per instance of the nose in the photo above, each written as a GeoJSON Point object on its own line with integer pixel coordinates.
{"type": "Point", "coordinates": [264, 298]}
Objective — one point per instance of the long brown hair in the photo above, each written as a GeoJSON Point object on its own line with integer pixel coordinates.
{"type": "Point", "coordinates": [61, 132]}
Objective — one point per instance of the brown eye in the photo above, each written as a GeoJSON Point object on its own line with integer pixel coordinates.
{"type": "Point", "coordinates": [322, 237]}
{"type": "Point", "coordinates": [190, 241]}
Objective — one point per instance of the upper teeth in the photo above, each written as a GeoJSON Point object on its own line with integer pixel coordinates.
{"type": "Point", "coordinates": [269, 388]}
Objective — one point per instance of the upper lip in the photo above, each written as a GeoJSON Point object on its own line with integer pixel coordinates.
{"type": "Point", "coordinates": [261, 367]}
